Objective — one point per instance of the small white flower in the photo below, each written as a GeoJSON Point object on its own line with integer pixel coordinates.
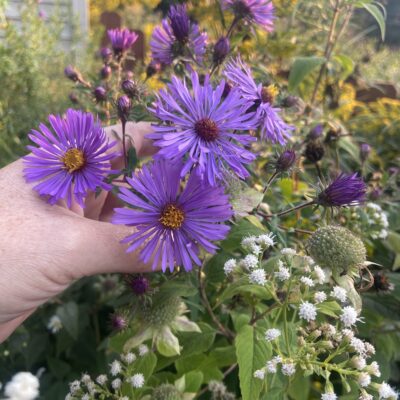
{"type": "Point", "coordinates": [283, 273]}
{"type": "Point", "coordinates": [308, 260]}
{"type": "Point", "coordinates": [266, 240]}
{"type": "Point", "coordinates": [357, 345]}
{"type": "Point", "coordinates": [250, 261]}
{"type": "Point", "coordinates": [74, 386]}
{"type": "Point", "coordinates": [339, 294]}
{"type": "Point", "coordinates": [373, 369]}
{"type": "Point", "coordinates": [305, 280]}
{"type": "Point", "coordinates": [54, 325]}
{"type": "Point", "coordinates": [85, 397]}
{"type": "Point", "coordinates": [319, 297]}
{"type": "Point", "coordinates": [365, 396]}
{"type": "Point", "coordinates": [124, 398]}
{"type": "Point", "coordinates": [229, 266]}
{"type": "Point", "coordinates": [387, 392]}
{"type": "Point", "coordinates": [288, 251]}
{"type": "Point", "coordinates": [348, 333]}
{"type": "Point", "coordinates": [143, 349]}
{"type": "Point", "coordinates": [23, 386]}
{"type": "Point", "coordinates": [364, 379]}
{"type": "Point", "coordinates": [271, 365]}
{"type": "Point", "coordinates": [115, 368]}
{"type": "Point", "coordinates": [101, 379]}
{"type": "Point", "coordinates": [359, 362]}
{"type": "Point", "coordinates": [67, 397]}
{"type": "Point", "coordinates": [259, 374]}
{"type": "Point", "coordinates": [320, 274]}
{"type": "Point", "coordinates": [137, 380]}
{"type": "Point", "coordinates": [248, 242]}
{"type": "Point", "coordinates": [288, 369]}
{"type": "Point", "coordinates": [307, 311]}
{"type": "Point", "coordinates": [86, 378]}
{"type": "Point", "coordinates": [129, 358]}
{"type": "Point", "coordinates": [349, 316]}
{"type": "Point", "coordinates": [272, 334]}
{"type": "Point", "coordinates": [258, 277]}
{"type": "Point", "coordinates": [369, 349]}
{"type": "Point", "coordinates": [116, 383]}
{"type": "Point", "coordinates": [328, 396]}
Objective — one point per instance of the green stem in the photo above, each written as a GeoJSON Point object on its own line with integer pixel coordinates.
{"type": "Point", "coordinates": [298, 207]}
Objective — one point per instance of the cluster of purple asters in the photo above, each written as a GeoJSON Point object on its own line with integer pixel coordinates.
{"type": "Point", "coordinates": [172, 223]}
{"type": "Point", "coordinates": [71, 158]}
{"type": "Point", "coordinates": [177, 37]}
{"type": "Point", "coordinates": [200, 126]}
{"type": "Point", "coordinates": [260, 12]}
{"type": "Point", "coordinates": [260, 98]}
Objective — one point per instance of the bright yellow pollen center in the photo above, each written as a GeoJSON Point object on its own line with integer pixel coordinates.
{"type": "Point", "coordinates": [172, 217]}
{"type": "Point", "coordinates": [73, 160]}
{"type": "Point", "coordinates": [268, 93]}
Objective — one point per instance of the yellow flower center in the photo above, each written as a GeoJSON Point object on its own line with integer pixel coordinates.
{"type": "Point", "coordinates": [172, 217]}
{"type": "Point", "coordinates": [268, 93]}
{"type": "Point", "coordinates": [74, 160]}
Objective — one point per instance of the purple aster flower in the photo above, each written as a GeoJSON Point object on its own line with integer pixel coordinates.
{"type": "Point", "coordinates": [285, 160]}
{"type": "Point", "coordinates": [177, 36]}
{"type": "Point", "coordinates": [345, 190]}
{"type": "Point", "coordinates": [121, 40]}
{"type": "Point", "coordinates": [199, 125]}
{"type": "Point", "coordinates": [258, 97]}
{"type": "Point", "coordinates": [260, 12]}
{"type": "Point", "coordinates": [70, 159]}
{"type": "Point", "coordinates": [172, 223]}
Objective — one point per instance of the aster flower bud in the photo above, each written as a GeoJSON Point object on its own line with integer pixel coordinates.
{"type": "Point", "coordinates": [130, 88]}
{"type": "Point", "coordinates": [180, 22]}
{"type": "Point", "coordinates": [375, 193]}
{"type": "Point", "coordinates": [100, 93]}
{"type": "Point", "coordinates": [118, 322]}
{"type": "Point", "coordinates": [153, 68]}
{"type": "Point", "coordinates": [72, 73]}
{"type": "Point", "coordinates": [221, 50]}
{"type": "Point", "coordinates": [314, 151]}
{"type": "Point", "coordinates": [336, 248]}
{"type": "Point", "coordinates": [138, 284]}
{"type": "Point", "coordinates": [316, 132]}
{"type": "Point", "coordinates": [124, 105]}
{"type": "Point", "coordinates": [365, 150]}
{"type": "Point", "coordinates": [105, 72]}
{"type": "Point", "coordinates": [121, 40]}
{"type": "Point", "coordinates": [106, 54]}
{"type": "Point", "coordinates": [73, 97]}
{"type": "Point", "coordinates": [285, 161]}
{"type": "Point", "coordinates": [345, 190]}
{"type": "Point", "coordinates": [166, 392]}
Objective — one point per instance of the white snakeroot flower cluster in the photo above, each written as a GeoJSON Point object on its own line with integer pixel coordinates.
{"type": "Point", "coordinates": [319, 297]}
{"type": "Point", "coordinates": [272, 334]}
{"type": "Point", "coordinates": [387, 392]}
{"type": "Point", "coordinates": [364, 379]}
{"type": "Point", "coordinates": [283, 273]}
{"type": "Point", "coordinates": [250, 262]}
{"type": "Point", "coordinates": [339, 293]}
{"type": "Point", "coordinates": [319, 274]}
{"type": "Point", "coordinates": [349, 316]}
{"type": "Point", "coordinates": [115, 368]}
{"type": "Point", "coordinates": [258, 277]}
{"type": "Point", "coordinates": [365, 396]}
{"type": "Point", "coordinates": [250, 244]}
{"type": "Point", "coordinates": [85, 397]}
{"type": "Point", "coordinates": [377, 217]}
{"type": "Point", "coordinates": [266, 240]}
{"type": "Point", "coordinates": [272, 365]}
{"type": "Point", "coordinates": [74, 386]}
{"type": "Point", "coordinates": [54, 325]}
{"type": "Point", "coordinates": [307, 311]}
{"type": "Point", "coordinates": [143, 350]}
{"type": "Point", "coordinates": [348, 333]}
{"type": "Point", "coordinates": [288, 369]}
{"type": "Point", "coordinates": [229, 266]}
{"type": "Point", "coordinates": [116, 383]}
{"type": "Point", "coordinates": [329, 396]}
{"type": "Point", "coordinates": [358, 345]}
{"type": "Point", "coordinates": [359, 362]}
{"type": "Point", "coordinates": [137, 380]}
{"type": "Point", "coordinates": [101, 379]}
{"type": "Point", "coordinates": [307, 281]}
{"type": "Point", "coordinates": [287, 251]}
{"type": "Point", "coordinates": [374, 369]}
{"type": "Point", "coordinates": [129, 358]}
{"type": "Point", "coordinates": [23, 386]}
{"type": "Point", "coordinates": [259, 374]}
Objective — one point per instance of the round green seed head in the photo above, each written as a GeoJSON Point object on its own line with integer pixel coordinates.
{"type": "Point", "coordinates": [161, 314]}
{"type": "Point", "coordinates": [336, 248]}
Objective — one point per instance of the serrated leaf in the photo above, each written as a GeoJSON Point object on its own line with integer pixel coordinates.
{"type": "Point", "coordinates": [302, 67]}
{"type": "Point", "coordinates": [251, 354]}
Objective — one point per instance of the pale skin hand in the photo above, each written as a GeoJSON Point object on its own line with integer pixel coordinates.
{"type": "Point", "coordinates": [44, 248]}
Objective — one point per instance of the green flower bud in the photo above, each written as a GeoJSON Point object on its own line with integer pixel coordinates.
{"type": "Point", "coordinates": [160, 314]}
{"type": "Point", "coordinates": [336, 248]}
{"type": "Point", "coordinates": [166, 392]}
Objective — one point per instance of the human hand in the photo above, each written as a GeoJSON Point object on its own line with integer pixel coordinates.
{"type": "Point", "coordinates": [45, 248]}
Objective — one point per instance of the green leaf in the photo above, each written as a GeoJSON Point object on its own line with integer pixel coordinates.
{"type": "Point", "coordinates": [207, 365]}
{"type": "Point", "coordinates": [302, 67]}
{"type": "Point", "coordinates": [146, 364]}
{"type": "Point", "coordinates": [379, 13]}
{"type": "Point", "coordinates": [299, 388]}
{"type": "Point", "coordinates": [58, 367]}
{"type": "Point", "coordinates": [193, 380]}
{"type": "Point", "coordinates": [251, 354]}
{"type": "Point", "coordinates": [167, 343]}
{"type": "Point", "coordinates": [346, 63]}
{"type": "Point", "coordinates": [69, 315]}
{"type": "Point", "coordinates": [330, 308]}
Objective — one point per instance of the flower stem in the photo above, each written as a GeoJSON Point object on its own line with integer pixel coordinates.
{"type": "Point", "coordinates": [267, 185]}
{"type": "Point", "coordinates": [123, 142]}
{"type": "Point", "coordinates": [300, 206]}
